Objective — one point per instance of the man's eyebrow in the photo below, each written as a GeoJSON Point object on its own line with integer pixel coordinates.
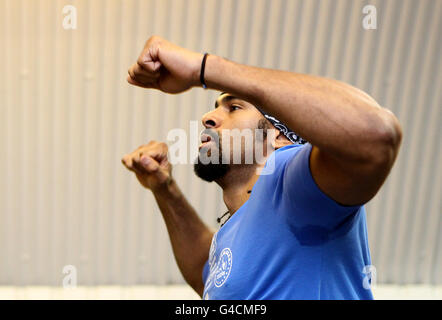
{"type": "Point", "coordinates": [225, 99]}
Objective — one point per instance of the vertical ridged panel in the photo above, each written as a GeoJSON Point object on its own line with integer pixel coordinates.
{"type": "Point", "coordinates": [68, 116]}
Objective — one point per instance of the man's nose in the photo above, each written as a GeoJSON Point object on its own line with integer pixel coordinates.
{"type": "Point", "coordinates": [210, 120]}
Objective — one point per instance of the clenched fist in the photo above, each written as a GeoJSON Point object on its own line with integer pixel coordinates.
{"type": "Point", "coordinates": [150, 164]}
{"type": "Point", "coordinates": [165, 66]}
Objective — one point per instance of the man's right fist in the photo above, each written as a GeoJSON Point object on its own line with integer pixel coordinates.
{"type": "Point", "coordinates": [165, 66]}
{"type": "Point", "coordinates": [150, 164]}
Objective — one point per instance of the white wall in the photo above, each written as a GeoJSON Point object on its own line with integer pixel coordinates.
{"type": "Point", "coordinates": [67, 116]}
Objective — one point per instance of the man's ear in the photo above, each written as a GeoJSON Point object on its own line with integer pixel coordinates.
{"type": "Point", "coordinates": [280, 141]}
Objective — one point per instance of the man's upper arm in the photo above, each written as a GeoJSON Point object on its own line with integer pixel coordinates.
{"type": "Point", "coordinates": [348, 183]}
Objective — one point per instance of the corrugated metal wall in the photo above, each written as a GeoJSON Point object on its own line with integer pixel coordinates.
{"type": "Point", "coordinates": [68, 116]}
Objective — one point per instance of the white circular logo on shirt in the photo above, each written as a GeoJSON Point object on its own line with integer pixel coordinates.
{"type": "Point", "coordinates": [223, 267]}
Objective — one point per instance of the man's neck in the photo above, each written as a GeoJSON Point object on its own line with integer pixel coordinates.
{"type": "Point", "coordinates": [236, 185]}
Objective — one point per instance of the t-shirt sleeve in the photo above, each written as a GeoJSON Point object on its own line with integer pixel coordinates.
{"type": "Point", "coordinates": [205, 273]}
{"type": "Point", "coordinates": [310, 205]}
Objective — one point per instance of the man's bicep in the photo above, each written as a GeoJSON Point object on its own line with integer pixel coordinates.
{"type": "Point", "coordinates": [347, 183]}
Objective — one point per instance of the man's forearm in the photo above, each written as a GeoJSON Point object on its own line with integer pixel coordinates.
{"type": "Point", "coordinates": [332, 115]}
{"type": "Point", "coordinates": [189, 236]}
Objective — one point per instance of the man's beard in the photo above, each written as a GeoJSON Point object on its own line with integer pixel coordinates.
{"type": "Point", "coordinates": [211, 171]}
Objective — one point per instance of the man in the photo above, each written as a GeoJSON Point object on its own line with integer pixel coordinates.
{"type": "Point", "coordinates": [299, 232]}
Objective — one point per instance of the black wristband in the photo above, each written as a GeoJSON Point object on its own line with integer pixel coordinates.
{"type": "Point", "coordinates": [203, 66]}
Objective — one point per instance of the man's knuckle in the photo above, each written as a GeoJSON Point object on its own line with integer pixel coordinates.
{"type": "Point", "coordinates": [141, 63]}
{"type": "Point", "coordinates": [155, 38]}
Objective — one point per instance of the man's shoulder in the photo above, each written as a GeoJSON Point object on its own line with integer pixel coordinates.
{"type": "Point", "coordinates": [286, 153]}
{"type": "Point", "coordinates": [277, 163]}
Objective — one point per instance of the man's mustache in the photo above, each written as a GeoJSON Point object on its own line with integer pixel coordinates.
{"type": "Point", "coordinates": [209, 134]}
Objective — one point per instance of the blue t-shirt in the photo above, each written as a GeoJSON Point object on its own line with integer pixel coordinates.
{"type": "Point", "coordinates": [290, 240]}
